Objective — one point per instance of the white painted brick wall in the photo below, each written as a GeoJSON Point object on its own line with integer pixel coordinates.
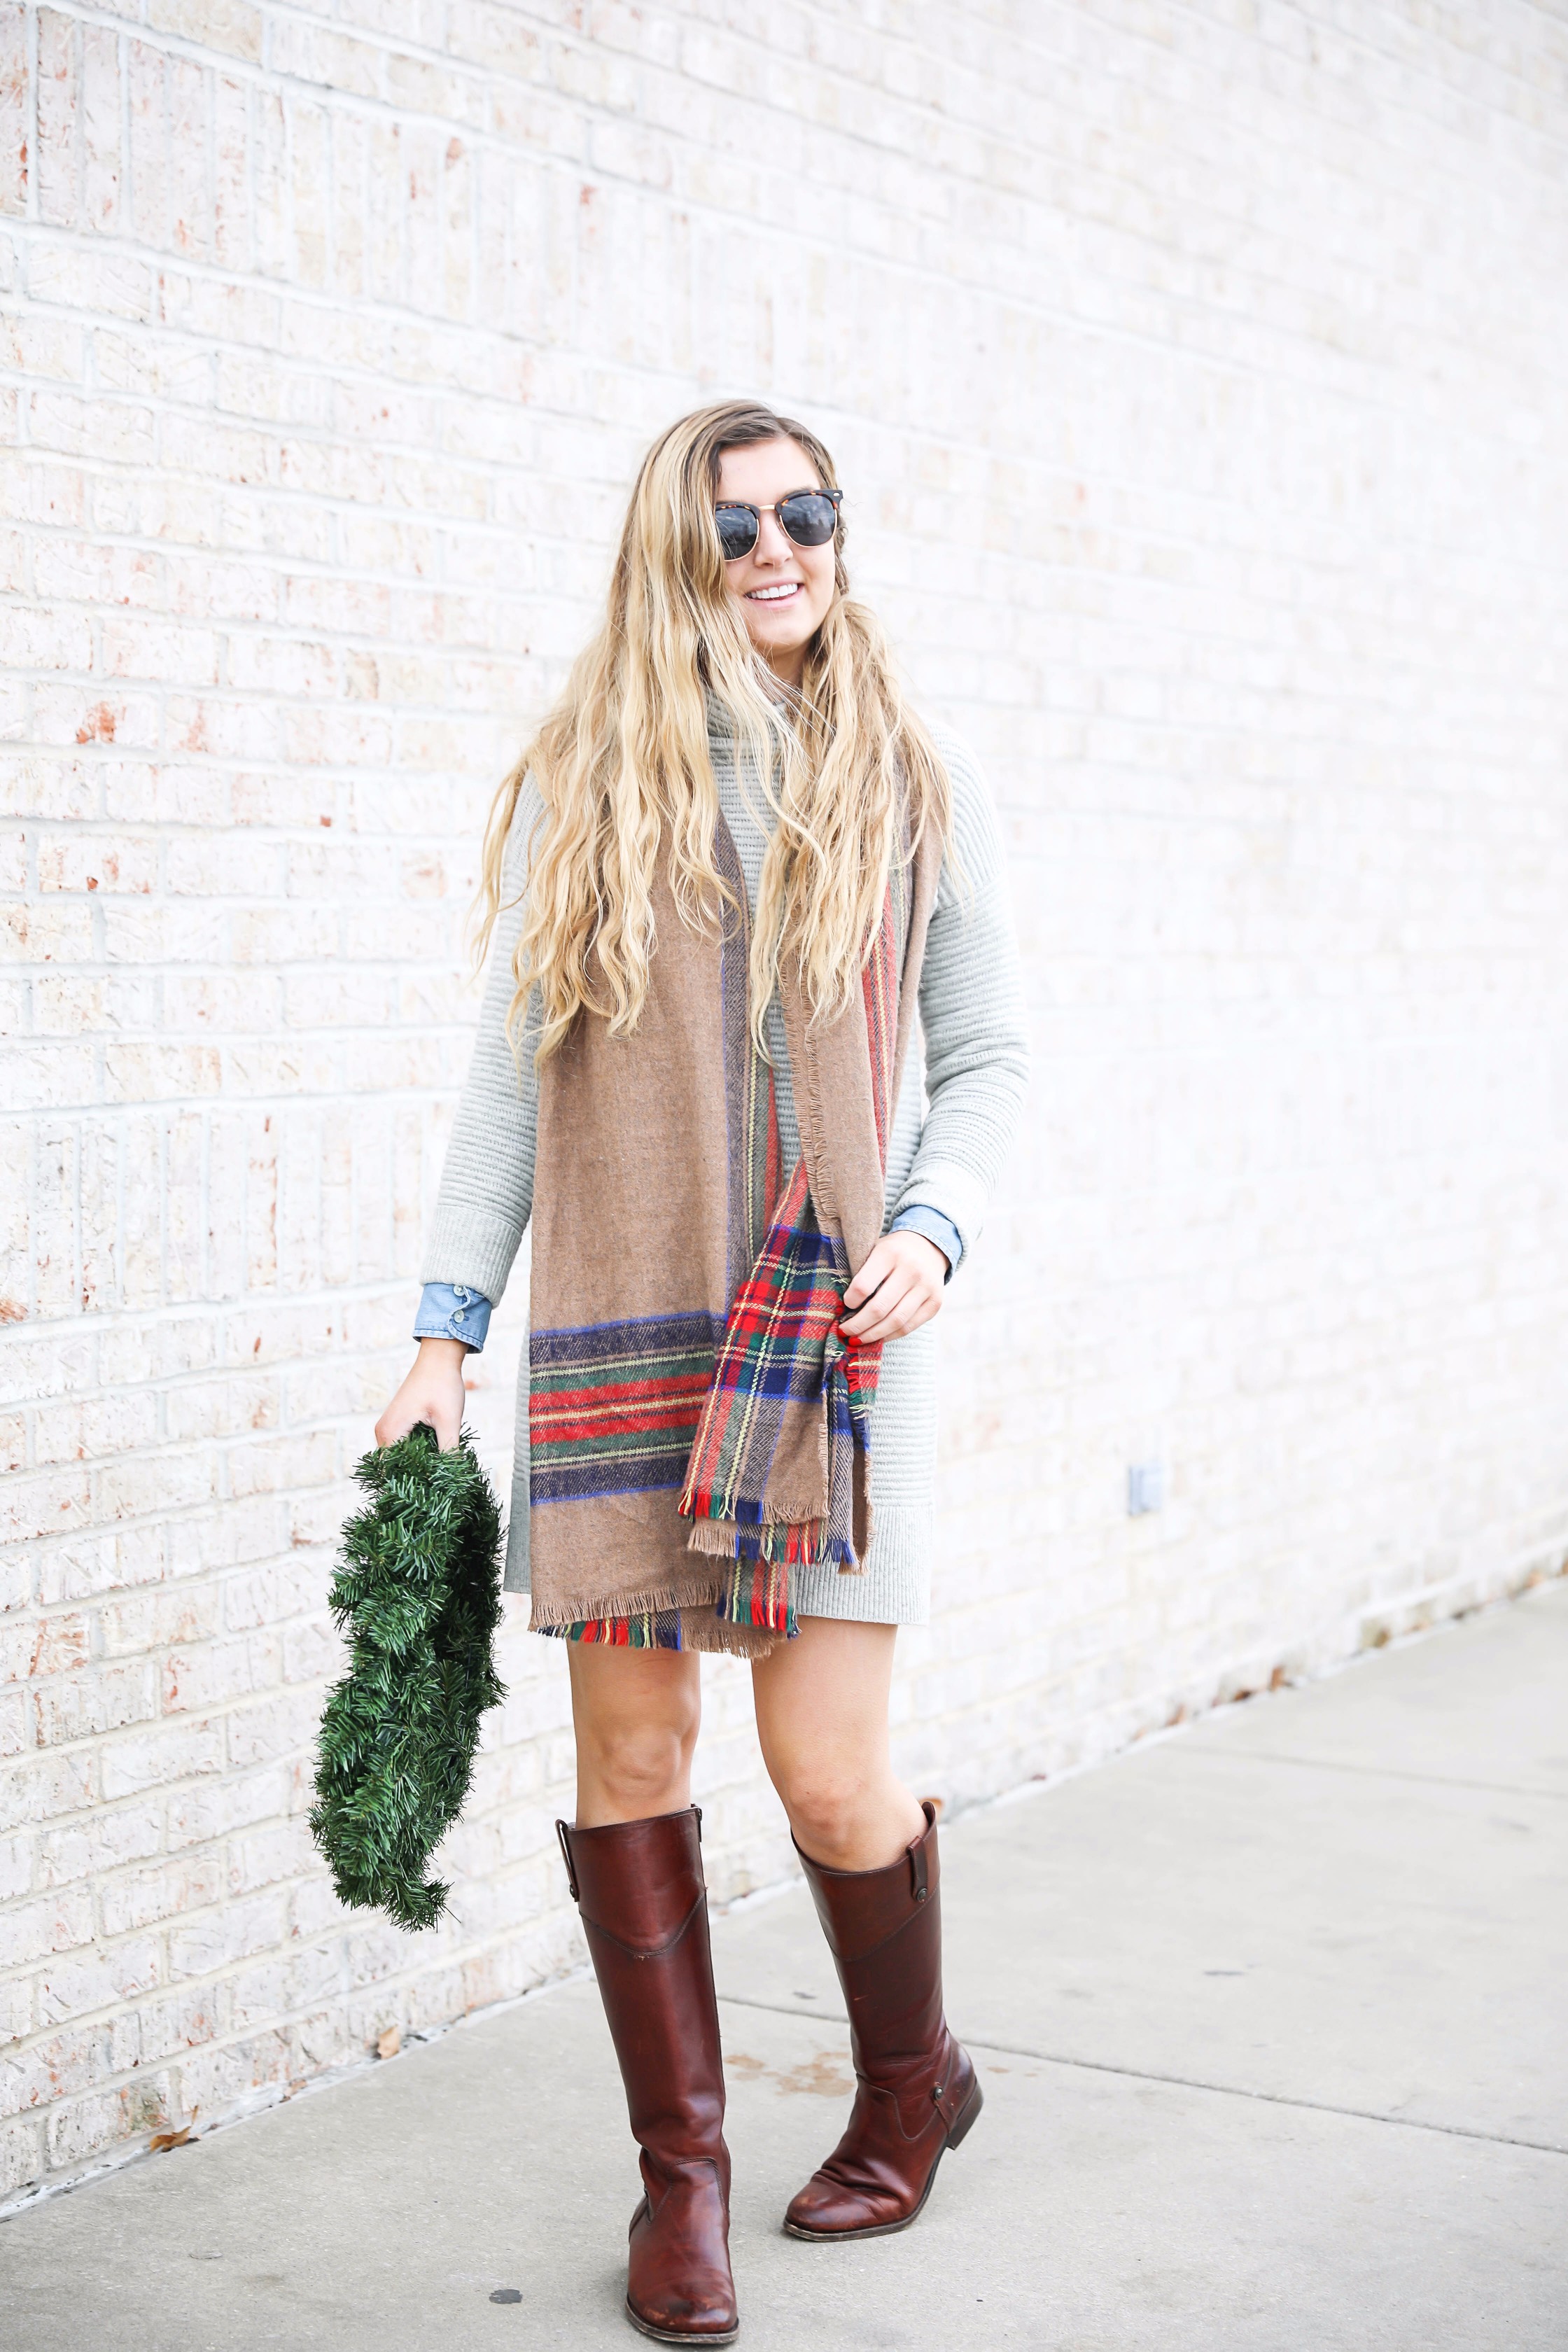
{"type": "Point", "coordinates": [1196, 372]}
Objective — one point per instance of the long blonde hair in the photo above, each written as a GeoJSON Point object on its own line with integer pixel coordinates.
{"type": "Point", "coordinates": [623, 767]}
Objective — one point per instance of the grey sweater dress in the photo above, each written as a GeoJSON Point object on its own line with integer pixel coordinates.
{"type": "Point", "coordinates": [947, 1144]}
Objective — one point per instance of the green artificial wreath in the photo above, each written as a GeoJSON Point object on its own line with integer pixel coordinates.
{"type": "Point", "coordinates": [418, 1596]}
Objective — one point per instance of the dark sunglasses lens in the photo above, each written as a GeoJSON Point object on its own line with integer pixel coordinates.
{"type": "Point", "coordinates": [737, 530]}
{"type": "Point", "coordinates": [810, 519]}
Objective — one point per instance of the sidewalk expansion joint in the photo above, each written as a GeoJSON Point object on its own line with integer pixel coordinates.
{"type": "Point", "coordinates": [1183, 2081]}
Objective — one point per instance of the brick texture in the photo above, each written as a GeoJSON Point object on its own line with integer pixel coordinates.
{"type": "Point", "coordinates": [1196, 370]}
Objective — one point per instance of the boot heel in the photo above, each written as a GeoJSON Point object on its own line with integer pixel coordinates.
{"type": "Point", "coordinates": [969, 2111]}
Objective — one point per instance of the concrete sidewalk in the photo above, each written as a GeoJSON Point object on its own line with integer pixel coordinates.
{"type": "Point", "coordinates": [1271, 2024]}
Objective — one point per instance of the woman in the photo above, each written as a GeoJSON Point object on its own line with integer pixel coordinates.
{"type": "Point", "coordinates": [718, 886]}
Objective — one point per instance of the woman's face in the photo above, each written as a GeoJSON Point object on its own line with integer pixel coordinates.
{"type": "Point", "coordinates": [783, 591]}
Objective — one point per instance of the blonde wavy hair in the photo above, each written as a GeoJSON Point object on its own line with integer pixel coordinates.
{"type": "Point", "coordinates": [622, 766]}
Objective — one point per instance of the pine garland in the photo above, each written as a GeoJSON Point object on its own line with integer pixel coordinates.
{"type": "Point", "coordinates": [418, 1595]}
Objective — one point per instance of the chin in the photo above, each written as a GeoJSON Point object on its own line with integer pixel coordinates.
{"type": "Point", "coordinates": [789, 635]}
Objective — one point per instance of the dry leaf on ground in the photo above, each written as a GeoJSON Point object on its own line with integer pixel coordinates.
{"type": "Point", "coordinates": [390, 2042]}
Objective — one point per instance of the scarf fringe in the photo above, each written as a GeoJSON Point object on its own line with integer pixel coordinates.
{"type": "Point", "coordinates": [746, 1622]}
{"type": "Point", "coordinates": [655, 1600]}
{"type": "Point", "coordinates": [752, 1598]}
{"type": "Point", "coordinates": [778, 1542]}
{"type": "Point", "coordinates": [717, 1637]}
{"type": "Point", "coordinates": [758, 1595]}
{"type": "Point", "coordinates": [650, 1629]}
{"type": "Point", "coordinates": [782, 1543]}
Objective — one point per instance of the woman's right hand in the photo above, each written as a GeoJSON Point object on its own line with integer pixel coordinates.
{"type": "Point", "coordinates": [434, 1391]}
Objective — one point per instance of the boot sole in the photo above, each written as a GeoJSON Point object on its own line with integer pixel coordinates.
{"type": "Point", "coordinates": [955, 2138]}
{"type": "Point", "coordinates": [679, 2334]}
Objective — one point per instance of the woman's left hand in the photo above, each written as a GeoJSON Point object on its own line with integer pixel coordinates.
{"type": "Point", "coordinates": [899, 1288]}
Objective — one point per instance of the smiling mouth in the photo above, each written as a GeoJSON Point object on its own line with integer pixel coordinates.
{"type": "Point", "coordinates": [778, 594]}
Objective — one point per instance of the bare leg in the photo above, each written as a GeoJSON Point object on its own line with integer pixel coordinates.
{"type": "Point", "coordinates": [635, 1715]}
{"type": "Point", "coordinates": [822, 1719]}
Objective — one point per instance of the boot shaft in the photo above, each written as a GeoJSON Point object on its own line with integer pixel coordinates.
{"type": "Point", "coordinates": [884, 1930]}
{"type": "Point", "coordinates": [638, 1882]}
{"type": "Point", "coordinates": [644, 1905]}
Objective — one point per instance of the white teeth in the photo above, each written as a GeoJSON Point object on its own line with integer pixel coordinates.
{"type": "Point", "coordinates": [771, 596]}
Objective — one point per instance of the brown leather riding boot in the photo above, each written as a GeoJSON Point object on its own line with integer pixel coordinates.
{"type": "Point", "coordinates": [917, 2092]}
{"type": "Point", "coordinates": [645, 1912]}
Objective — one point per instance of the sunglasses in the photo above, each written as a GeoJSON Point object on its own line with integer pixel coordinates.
{"type": "Point", "coordinates": [808, 517]}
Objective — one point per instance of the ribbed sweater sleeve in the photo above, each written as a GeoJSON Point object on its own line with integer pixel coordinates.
{"type": "Point", "coordinates": [486, 1184]}
{"type": "Point", "coordinates": [972, 1015]}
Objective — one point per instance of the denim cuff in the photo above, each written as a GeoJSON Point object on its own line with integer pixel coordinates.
{"type": "Point", "coordinates": [919, 1217]}
{"type": "Point", "coordinates": [450, 1310]}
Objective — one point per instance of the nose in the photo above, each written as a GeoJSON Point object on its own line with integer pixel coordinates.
{"type": "Point", "coordinates": [773, 545]}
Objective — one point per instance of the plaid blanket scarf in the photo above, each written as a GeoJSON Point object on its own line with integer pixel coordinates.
{"type": "Point", "coordinates": [699, 1425]}
{"type": "Point", "coordinates": [784, 1359]}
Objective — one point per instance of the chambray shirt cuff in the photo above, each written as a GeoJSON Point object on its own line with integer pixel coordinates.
{"type": "Point", "coordinates": [919, 1217]}
{"type": "Point", "coordinates": [450, 1310]}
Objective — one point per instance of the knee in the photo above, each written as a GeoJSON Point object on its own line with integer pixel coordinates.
{"type": "Point", "coordinates": [636, 1766]}
{"type": "Point", "coordinates": [826, 1812]}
